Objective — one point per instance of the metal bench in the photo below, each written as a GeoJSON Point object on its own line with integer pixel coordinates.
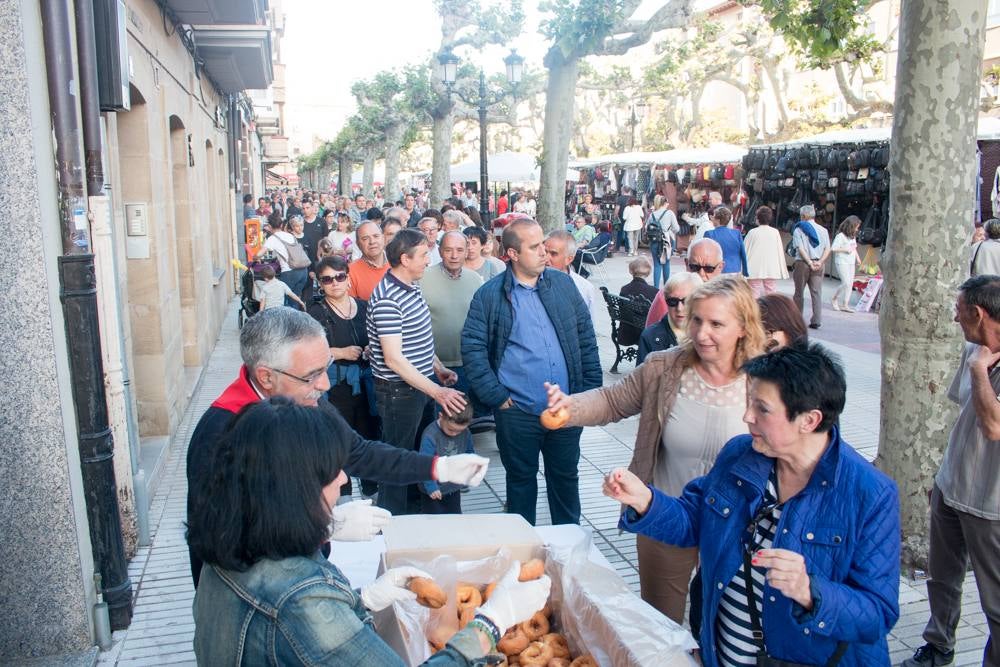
{"type": "Point", "coordinates": [631, 313]}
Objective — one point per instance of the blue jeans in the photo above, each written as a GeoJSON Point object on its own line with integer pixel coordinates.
{"type": "Point", "coordinates": [296, 281]}
{"type": "Point", "coordinates": [520, 438]}
{"type": "Point", "coordinates": [658, 268]}
{"type": "Point", "coordinates": [405, 413]}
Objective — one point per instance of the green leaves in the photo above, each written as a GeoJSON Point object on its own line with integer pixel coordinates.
{"type": "Point", "coordinates": [822, 32]}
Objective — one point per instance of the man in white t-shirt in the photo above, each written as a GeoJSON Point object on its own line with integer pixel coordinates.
{"type": "Point", "coordinates": [812, 246]}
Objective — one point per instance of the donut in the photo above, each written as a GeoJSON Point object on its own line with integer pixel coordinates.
{"type": "Point", "coordinates": [532, 570]}
{"type": "Point", "coordinates": [468, 596]}
{"type": "Point", "coordinates": [465, 615]}
{"type": "Point", "coordinates": [536, 626]}
{"type": "Point", "coordinates": [560, 649]}
{"type": "Point", "coordinates": [536, 655]}
{"type": "Point", "coordinates": [513, 642]}
{"type": "Point", "coordinates": [489, 591]}
{"type": "Point", "coordinates": [428, 593]}
{"type": "Point", "coordinates": [558, 662]}
{"type": "Point", "coordinates": [586, 660]}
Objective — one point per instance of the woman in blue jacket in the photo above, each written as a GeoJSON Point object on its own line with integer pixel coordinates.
{"type": "Point", "coordinates": [793, 507]}
{"type": "Point", "coordinates": [734, 253]}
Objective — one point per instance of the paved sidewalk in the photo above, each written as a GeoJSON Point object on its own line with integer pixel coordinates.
{"type": "Point", "coordinates": [163, 628]}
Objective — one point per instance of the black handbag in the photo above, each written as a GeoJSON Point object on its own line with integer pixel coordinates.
{"type": "Point", "coordinates": [763, 659]}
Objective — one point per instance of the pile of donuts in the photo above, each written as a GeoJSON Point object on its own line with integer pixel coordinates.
{"type": "Point", "coordinates": [529, 644]}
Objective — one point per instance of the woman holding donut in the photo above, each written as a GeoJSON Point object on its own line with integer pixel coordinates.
{"type": "Point", "coordinates": [798, 534]}
{"type": "Point", "coordinates": [690, 399]}
{"type": "Point", "coordinates": [266, 595]}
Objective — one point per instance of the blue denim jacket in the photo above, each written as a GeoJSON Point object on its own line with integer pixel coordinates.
{"type": "Point", "coordinates": [296, 611]}
{"type": "Point", "coordinates": [845, 522]}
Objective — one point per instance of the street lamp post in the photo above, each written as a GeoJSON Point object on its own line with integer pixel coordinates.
{"type": "Point", "coordinates": [448, 71]}
{"type": "Point", "coordinates": [637, 113]}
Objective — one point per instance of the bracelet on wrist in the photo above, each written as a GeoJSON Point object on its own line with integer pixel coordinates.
{"type": "Point", "coordinates": [488, 627]}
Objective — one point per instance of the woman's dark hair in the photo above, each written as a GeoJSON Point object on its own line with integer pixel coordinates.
{"type": "Point", "coordinates": [473, 213]}
{"type": "Point", "coordinates": [723, 215]}
{"type": "Point", "coordinates": [275, 220]}
{"type": "Point", "coordinates": [403, 243]}
{"type": "Point", "coordinates": [265, 497]}
{"type": "Point", "coordinates": [604, 227]}
{"type": "Point", "coordinates": [477, 233]}
{"type": "Point", "coordinates": [632, 201]}
{"type": "Point", "coordinates": [807, 377]}
{"type": "Point", "coordinates": [779, 313]}
{"type": "Point", "coordinates": [335, 262]}
{"type": "Point", "coordinates": [765, 215]}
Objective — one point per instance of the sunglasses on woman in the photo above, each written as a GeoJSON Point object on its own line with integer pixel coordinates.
{"type": "Point", "coordinates": [328, 280]}
{"type": "Point", "coordinates": [674, 301]}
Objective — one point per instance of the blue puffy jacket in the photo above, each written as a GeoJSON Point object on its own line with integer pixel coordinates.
{"type": "Point", "coordinates": [846, 524]}
{"type": "Point", "coordinates": [491, 318]}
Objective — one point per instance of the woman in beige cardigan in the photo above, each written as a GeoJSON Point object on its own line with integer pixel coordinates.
{"type": "Point", "coordinates": [691, 401]}
{"type": "Point", "coordinates": [765, 254]}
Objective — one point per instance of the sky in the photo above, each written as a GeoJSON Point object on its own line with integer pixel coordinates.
{"type": "Point", "coordinates": [328, 46]}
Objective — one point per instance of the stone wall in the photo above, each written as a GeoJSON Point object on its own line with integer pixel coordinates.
{"type": "Point", "coordinates": [45, 579]}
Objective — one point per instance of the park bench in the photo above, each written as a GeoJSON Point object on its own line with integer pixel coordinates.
{"type": "Point", "coordinates": [628, 319]}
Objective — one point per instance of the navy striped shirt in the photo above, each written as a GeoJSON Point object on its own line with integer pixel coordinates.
{"type": "Point", "coordinates": [398, 309]}
{"type": "Point", "coordinates": [734, 638]}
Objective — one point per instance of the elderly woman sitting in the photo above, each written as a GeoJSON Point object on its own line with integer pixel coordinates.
{"type": "Point", "coordinates": [794, 509]}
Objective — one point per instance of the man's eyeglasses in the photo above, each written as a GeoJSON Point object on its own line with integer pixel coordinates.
{"type": "Point", "coordinates": [327, 280]}
{"type": "Point", "coordinates": [307, 379]}
{"type": "Point", "coordinates": [695, 268]}
{"type": "Point", "coordinates": [674, 301]}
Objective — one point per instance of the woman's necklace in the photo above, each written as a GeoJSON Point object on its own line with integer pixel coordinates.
{"type": "Point", "coordinates": [349, 309]}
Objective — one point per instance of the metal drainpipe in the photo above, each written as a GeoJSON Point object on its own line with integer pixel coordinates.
{"type": "Point", "coordinates": [78, 294]}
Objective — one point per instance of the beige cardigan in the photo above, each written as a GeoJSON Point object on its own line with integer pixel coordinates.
{"type": "Point", "coordinates": [649, 391]}
{"type": "Point", "coordinates": [765, 254]}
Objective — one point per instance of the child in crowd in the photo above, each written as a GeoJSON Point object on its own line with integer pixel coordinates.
{"type": "Point", "coordinates": [272, 292]}
{"type": "Point", "coordinates": [447, 436]}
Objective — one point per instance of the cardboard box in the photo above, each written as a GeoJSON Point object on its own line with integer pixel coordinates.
{"type": "Point", "coordinates": [420, 537]}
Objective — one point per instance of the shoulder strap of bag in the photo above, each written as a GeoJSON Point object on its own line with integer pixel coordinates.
{"type": "Point", "coordinates": [972, 264]}
{"type": "Point", "coordinates": [758, 632]}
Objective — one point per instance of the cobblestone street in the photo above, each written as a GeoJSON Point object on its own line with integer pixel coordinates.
{"type": "Point", "coordinates": [162, 629]}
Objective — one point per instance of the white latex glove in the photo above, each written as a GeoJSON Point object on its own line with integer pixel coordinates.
{"type": "Point", "coordinates": [467, 469]}
{"type": "Point", "coordinates": [358, 521]}
{"type": "Point", "coordinates": [390, 587]}
{"type": "Point", "coordinates": [514, 601]}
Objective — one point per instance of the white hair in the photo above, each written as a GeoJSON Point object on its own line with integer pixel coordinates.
{"type": "Point", "coordinates": [682, 278]}
{"type": "Point", "coordinates": [268, 337]}
{"type": "Point", "coordinates": [711, 242]}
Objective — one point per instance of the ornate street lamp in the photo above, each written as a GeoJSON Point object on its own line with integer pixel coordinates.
{"type": "Point", "coordinates": [638, 112]}
{"type": "Point", "coordinates": [448, 72]}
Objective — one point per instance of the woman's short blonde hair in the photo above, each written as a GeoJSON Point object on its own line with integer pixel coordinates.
{"type": "Point", "coordinates": [658, 201]}
{"type": "Point", "coordinates": [738, 292]}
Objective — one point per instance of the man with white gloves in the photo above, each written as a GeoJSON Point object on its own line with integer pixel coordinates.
{"type": "Point", "coordinates": [285, 353]}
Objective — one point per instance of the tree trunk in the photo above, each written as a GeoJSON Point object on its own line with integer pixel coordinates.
{"type": "Point", "coordinates": [444, 126]}
{"type": "Point", "coordinates": [368, 174]}
{"type": "Point", "coordinates": [345, 167]}
{"type": "Point", "coordinates": [933, 169]}
{"type": "Point", "coordinates": [556, 137]}
{"type": "Point", "coordinates": [393, 145]}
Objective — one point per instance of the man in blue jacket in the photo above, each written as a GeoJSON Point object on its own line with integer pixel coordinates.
{"type": "Point", "coordinates": [526, 327]}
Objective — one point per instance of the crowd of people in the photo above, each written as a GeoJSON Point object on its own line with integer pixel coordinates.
{"type": "Point", "coordinates": [750, 508]}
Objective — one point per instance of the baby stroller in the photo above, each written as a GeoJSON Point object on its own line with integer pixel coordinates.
{"type": "Point", "coordinates": [250, 306]}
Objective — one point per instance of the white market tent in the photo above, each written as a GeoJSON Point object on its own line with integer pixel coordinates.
{"type": "Point", "coordinates": [714, 153]}
{"type": "Point", "coordinates": [502, 167]}
{"type": "Point", "coordinates": [378, 173]}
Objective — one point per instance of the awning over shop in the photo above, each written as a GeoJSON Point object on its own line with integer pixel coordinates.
{"type": "Point", "coordinates": [714, 153]}
{"type": "Point", "coordinates": [988, 130]}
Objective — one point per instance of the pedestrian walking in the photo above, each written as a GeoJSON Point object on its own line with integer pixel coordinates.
{"type": "Point", "coordinates": [845, 261]}
{"type": "Point", "coordinates": [812, 248]}
{"type": "Point", "coordinates": [765, 254]}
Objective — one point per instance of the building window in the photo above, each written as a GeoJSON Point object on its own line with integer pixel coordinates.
{"type": "Point", "coordinates": [993, 14]}
{"type": "Point", "coordinates": [837, 108]}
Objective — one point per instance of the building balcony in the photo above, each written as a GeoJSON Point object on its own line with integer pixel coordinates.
{"type": "Point", "coordinates": [275, 149]}
{"type": "Point", "coordinates": [237, 57]}
{"type": "Point", "coordinates": [213, 12]}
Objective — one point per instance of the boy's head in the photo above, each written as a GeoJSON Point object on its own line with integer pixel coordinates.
{"type": "Point", "coordinates": [267, 273]}
{"type": "Point", "coordinates": [455, 423]}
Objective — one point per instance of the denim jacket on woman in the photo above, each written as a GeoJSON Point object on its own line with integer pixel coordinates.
{"type": "Point", "coordinates": [296, 611]}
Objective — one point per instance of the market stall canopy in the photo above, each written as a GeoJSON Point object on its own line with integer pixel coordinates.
{"type": "Point", "coordinates": [379, 173]}
{"type": "Point", "coordinates": [714, 153]}
{"type": "Point", "coordinates": [507, 167]}
{"type": "Point", "coordinates": [988, 130]}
